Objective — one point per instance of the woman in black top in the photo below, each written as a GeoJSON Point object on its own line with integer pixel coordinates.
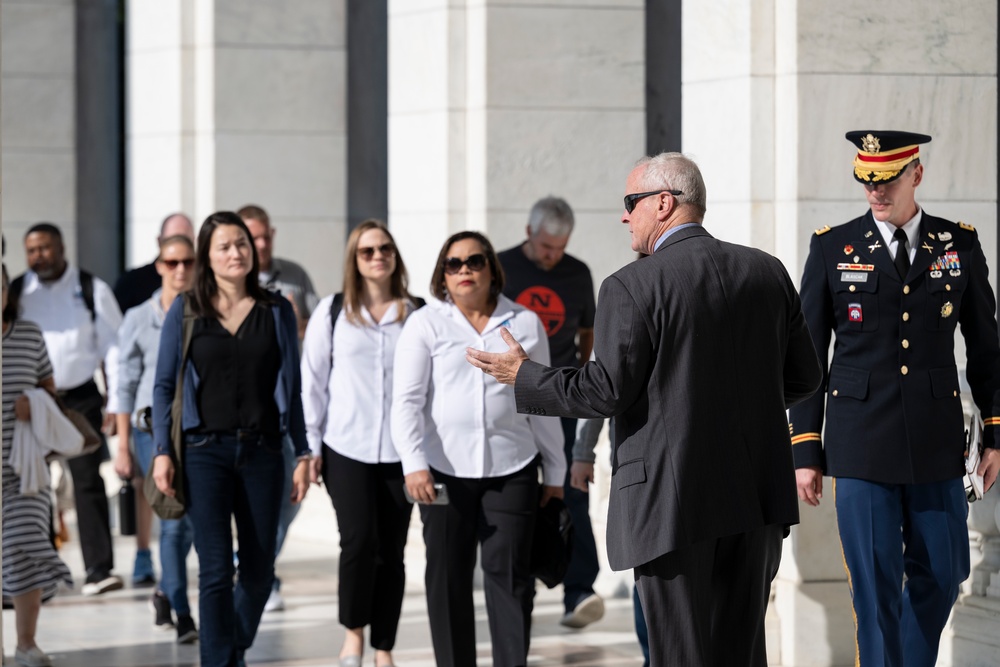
{"type": "Point", "coordinates": [241, 394]}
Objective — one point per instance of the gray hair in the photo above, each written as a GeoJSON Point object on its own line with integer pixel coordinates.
{"type": "Point", "coordinates": [675, 171]}
{"type": "Point", "coordinates": [551, 215]}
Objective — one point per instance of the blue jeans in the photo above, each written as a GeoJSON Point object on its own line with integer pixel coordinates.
{"type": "Point", "coordinates": [231, 475]}
{"type": "Point", "coordinates": [176, 536]}
{"type": "Point", "coordinates": [641, 631]}
{"type": "Point", "coordinates": [583, 564]}
{"type": "Point", "coordinates": [288, 508]}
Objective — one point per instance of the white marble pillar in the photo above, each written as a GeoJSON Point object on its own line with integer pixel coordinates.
{"type": "Point", "coordinates": [973, 638]}
{"type": "Point", "coordinates": [37, 121]}
{"type": "Point", "coordinates": [728, 124]}
{"type": "Point", "coordinates": [494, 104]}
{"type": "Point", "coordinates": [233, 102]}
{"type": "Point", "coordinates": [769, 90]}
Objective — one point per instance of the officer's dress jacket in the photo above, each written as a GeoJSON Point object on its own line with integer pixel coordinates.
{"type": "Point", "coordinates": [891, 390]}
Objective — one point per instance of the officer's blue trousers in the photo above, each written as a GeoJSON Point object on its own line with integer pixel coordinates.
{"type": "Point", "coordinates": [887, 530]}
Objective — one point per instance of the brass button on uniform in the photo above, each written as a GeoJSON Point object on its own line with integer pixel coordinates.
{"type": "Point", "coordinates": [906, 344]}
{"type": "Point", "coordinates": [906, 289]}
{"type": "Point", "coordinates": [954, 393]}
{"type": "Point", "coordinates": [904, 370]}
{"type": "Point", "coordinates": [947, 287]}
{"type": "Point", "coordinates": [906, 317]}
{"type": "Point", "coordinates": [853, 288]}
{"type": "Point", "coordinates": [834, 392]}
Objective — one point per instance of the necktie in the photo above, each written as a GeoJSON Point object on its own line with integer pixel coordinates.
{"type": "Point", "coordinates": [902, 259]}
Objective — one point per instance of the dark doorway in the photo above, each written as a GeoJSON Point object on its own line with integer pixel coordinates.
{"type": "Point", "coordinates": [100, 132]}
{"type": "Point", "coordinates": [367, 111]}
{"type": "Point", "coordinates": [663, 76]}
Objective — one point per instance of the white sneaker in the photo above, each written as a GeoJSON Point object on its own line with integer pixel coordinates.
{"type": "Point", "coordinates": [33, 657]}
{"type": "Point", "coordinates": [110, 582]}
{"type": "Point", "coordinates": [274, 601]}
{"type": "Point", "coordinates": [587, 611]}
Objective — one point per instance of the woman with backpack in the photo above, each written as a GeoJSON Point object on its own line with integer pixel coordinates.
{"type": "Point", "coordinates": [347, 367]}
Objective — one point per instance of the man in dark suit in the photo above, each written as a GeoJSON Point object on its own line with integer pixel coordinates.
{"type": "Point", "coordinates": [700, 349]}
{"type": "Point", "coordinates": [892, 285]}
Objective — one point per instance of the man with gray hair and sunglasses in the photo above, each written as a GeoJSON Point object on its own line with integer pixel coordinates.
{"type": "Point", "coordinates": [700, 348]}
{"type": "Point", "coordinates": [559, 289]}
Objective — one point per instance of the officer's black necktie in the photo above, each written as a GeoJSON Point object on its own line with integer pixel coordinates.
{"type": "Point", "coordinates": [902, 259]}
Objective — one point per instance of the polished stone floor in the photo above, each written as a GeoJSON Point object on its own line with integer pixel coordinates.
{"type": "Point", "coordinates": [116, 629]}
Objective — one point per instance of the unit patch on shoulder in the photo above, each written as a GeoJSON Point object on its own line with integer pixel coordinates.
{"type": "Point", "coordinates": [968, 228]}
{"type": "Point", "coordinates": [822, 230]}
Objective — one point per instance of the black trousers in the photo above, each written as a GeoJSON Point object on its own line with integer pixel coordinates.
{"type": "Point", "coordinates": [89, 493]}
{"type": "Point", "coordinates": [498, 513]}
{"type": "Point", "coordinates": [705, 603]}
{"type": "Point", "coordinates": [373, 516]}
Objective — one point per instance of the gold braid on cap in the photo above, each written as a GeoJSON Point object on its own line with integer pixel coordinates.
{"type": "Point", "coordinates": [875, 166]}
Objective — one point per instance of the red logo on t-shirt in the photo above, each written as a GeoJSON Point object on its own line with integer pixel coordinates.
{"type": "Point", "coordinates": [547, 305]}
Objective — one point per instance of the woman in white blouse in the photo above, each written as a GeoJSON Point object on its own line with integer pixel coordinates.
{"type": "Point", "coordinates": [347, 368]}
{"type": "Point", "coordinates": [455, 426]}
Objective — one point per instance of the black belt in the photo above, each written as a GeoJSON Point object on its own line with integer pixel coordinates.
{"type": "Point", "coordinates": [242, 434]}
{"type": "Point", "coordinates": [88, 388]}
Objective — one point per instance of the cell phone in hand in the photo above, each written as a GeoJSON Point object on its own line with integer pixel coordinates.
{"type": "Point", "coordinates": [440, 489]}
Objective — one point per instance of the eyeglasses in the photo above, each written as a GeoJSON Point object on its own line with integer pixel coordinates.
{"type": "Point", "coordinates": [631, 200]}
{"type": "Point", "coordinates": [387, 250]}
{"type": "Point", "coordinates": [174, 263]}
{"type": "Point", "coordinates": [476, 262]}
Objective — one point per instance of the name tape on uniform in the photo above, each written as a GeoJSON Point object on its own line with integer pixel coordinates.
{"type": "Point", "coordinates": [852, 277]}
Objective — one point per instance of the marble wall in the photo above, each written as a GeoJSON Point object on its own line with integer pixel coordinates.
{"type": "Point", "coordinates": [234, 102]}
{"type": "Point", "coordinates": [494, 104]}
{"type": "Point", "coordinates": [37, 121]}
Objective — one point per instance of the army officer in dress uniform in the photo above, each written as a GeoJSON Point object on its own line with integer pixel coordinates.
{"type": "Point", "coordinates": [893, 285]}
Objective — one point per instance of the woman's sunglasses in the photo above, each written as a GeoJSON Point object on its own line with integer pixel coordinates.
{"type": "Point", "coordinates": [174, 263]}
{"type": "Point", "coordinates": [453, 265]}
{"type": "Point", "coordinates": [387, 250]}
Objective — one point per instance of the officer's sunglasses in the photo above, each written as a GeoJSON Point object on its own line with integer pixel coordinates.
{"type": "Point", "coordinates": [632, 199]}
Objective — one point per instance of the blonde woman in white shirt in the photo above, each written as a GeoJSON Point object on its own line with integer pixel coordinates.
{"type": "Point", "coordinates": [347, 367]}
{"type": "Point", "coordinates": [454, 426]}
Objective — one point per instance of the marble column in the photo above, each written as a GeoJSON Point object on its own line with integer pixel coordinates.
{"type": "Point", "coordinates": [769, 89]}
{"type": "Point", "coordinates": [974, 635]}
{"type": "Point", "coordinates": [37, 119]}
{"type": "Point", "coordinates": [494, 104]}
{"type": "Point", "coordinates": [233, 102]}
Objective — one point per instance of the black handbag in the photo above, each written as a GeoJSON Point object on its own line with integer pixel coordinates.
{"type": "Point", "coordinates": [553, 543]}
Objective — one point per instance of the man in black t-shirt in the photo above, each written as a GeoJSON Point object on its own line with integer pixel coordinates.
{"type": "Point", "coordinates": [559, 289]}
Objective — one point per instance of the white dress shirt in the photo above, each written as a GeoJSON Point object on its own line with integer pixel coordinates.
{"type": "Point", "coordinates": [76, 344]}
{"type": "Point", "coordinates": [451, 416]}
{"type": "Point", "coordinates": [912, 229]}
{"type": "Point", "coordinates": [347, 384]}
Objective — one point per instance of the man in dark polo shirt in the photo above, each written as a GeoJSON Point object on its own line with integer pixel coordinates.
{"type": "Point", "coordinates": [559, 289]}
